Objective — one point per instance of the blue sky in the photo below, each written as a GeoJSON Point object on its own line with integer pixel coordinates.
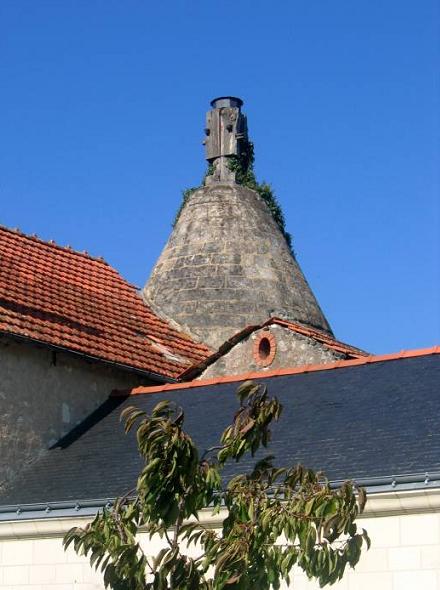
{"type": "Point", "coordinates": [102, 112]}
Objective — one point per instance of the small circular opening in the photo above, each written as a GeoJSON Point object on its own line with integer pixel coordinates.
{"type": "Point", "coordinates": [264, 348]}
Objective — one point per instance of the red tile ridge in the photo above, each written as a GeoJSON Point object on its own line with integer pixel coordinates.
{"type": "Point", "coordinates": [326, 339]}
{"type": "Point", "coordinates": [52, 244]}
{"type": "Point", "coordinates": [281, 372]}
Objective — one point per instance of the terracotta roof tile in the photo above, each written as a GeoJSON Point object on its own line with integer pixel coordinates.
{"type": "Point", "coordinates": [69, 299]}
{"type": "Point", "coordinates": [319, 336]}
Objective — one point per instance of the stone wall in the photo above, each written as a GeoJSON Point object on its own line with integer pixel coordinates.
{"type": "Point", "coordinates": [43, 395]}
{"type": "Point", "coordinates": [291, 350]}
{"type": "Point", "coordinates": [227, 266]}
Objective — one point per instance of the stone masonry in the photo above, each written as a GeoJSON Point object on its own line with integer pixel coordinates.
{"type": "Point", "coordinates": [43, 395]}
{"type": "Point", "coordinates": [226, 266]}
{"type": "Point", "coordinates": [291, 350]}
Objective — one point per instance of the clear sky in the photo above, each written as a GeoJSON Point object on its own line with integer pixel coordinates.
{"type": "Point", "coordinates": [102, 107]}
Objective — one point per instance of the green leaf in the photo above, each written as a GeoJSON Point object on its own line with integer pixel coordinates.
{"type": "Point", "coordinates": [366, 538]}
{"type": "Point", "coordinates": [261, 503]}
{"type": "Point", "coordinates": [362, 499]}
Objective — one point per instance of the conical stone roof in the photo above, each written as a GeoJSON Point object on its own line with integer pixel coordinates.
{"type": "Point", "coordinates": [226, 266]}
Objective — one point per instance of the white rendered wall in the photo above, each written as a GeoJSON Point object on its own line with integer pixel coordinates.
{"type": "Point", "coordinates": [405, 551]}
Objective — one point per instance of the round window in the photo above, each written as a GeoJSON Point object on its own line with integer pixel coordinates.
{"type": "Point", "coordinates": [264, 348]}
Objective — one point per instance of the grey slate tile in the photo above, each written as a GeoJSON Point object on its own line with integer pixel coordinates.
{"type": "Point", "coordinates": [365, 421]}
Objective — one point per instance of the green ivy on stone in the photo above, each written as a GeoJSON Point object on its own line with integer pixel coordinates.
{"type": "Point", "coordinates": [243, 166]}
{"type": "Point", "coordinates": [186, 194]}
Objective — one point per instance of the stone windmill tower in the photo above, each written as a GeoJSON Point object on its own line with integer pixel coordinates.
{"type": "Point", "coordinates": [226, 264]}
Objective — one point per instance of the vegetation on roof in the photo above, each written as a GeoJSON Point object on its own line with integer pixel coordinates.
{"type": "Point", "coordinates": [243, 166]}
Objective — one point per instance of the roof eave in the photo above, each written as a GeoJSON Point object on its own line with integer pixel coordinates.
{"type": "Point", "coordinates": [82, 508]}
{"type": "Point", "coordinates": [153, 376]}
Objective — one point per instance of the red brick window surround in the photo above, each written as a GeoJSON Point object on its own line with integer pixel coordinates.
{"type": "Point", "coordinates": [264, 349]}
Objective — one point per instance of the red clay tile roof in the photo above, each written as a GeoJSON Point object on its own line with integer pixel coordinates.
{"type": "Point", "coordinates": [318, 335]}
{"type": "Point", "coordinates": [68, 299]}
{"type": "Point", "coordinates": [404, 354]}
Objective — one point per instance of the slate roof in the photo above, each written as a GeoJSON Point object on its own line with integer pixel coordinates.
{"type": "Point", "coordinates": [68, 299]}
{"type": "Point", "coordinates": [369, 420]}
{"type": "Point", "coordinates": [329, 341]}
{"type": "Point", "coordinates": [268, 372]}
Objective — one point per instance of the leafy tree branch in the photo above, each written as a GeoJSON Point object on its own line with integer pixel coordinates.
{"type": "Point", "coordinates": [276, 518]}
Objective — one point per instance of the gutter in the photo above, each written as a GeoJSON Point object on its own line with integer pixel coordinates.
{"type": "Point", "coordinates": [390, 487]}
{"type": "Point", "coordinates": [410, 481]}
{"type": "Point", "coordinates": [381, 504]}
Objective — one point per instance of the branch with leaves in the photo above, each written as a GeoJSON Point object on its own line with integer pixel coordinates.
{"type": "Point", "coordinates": [276, 518]}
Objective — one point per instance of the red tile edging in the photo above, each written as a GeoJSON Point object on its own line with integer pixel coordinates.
{"type": "Point", "coordinates": [280, 372]}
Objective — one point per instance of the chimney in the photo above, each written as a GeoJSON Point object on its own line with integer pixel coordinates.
{"type": "Point", "coordinates": [226, 137]}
